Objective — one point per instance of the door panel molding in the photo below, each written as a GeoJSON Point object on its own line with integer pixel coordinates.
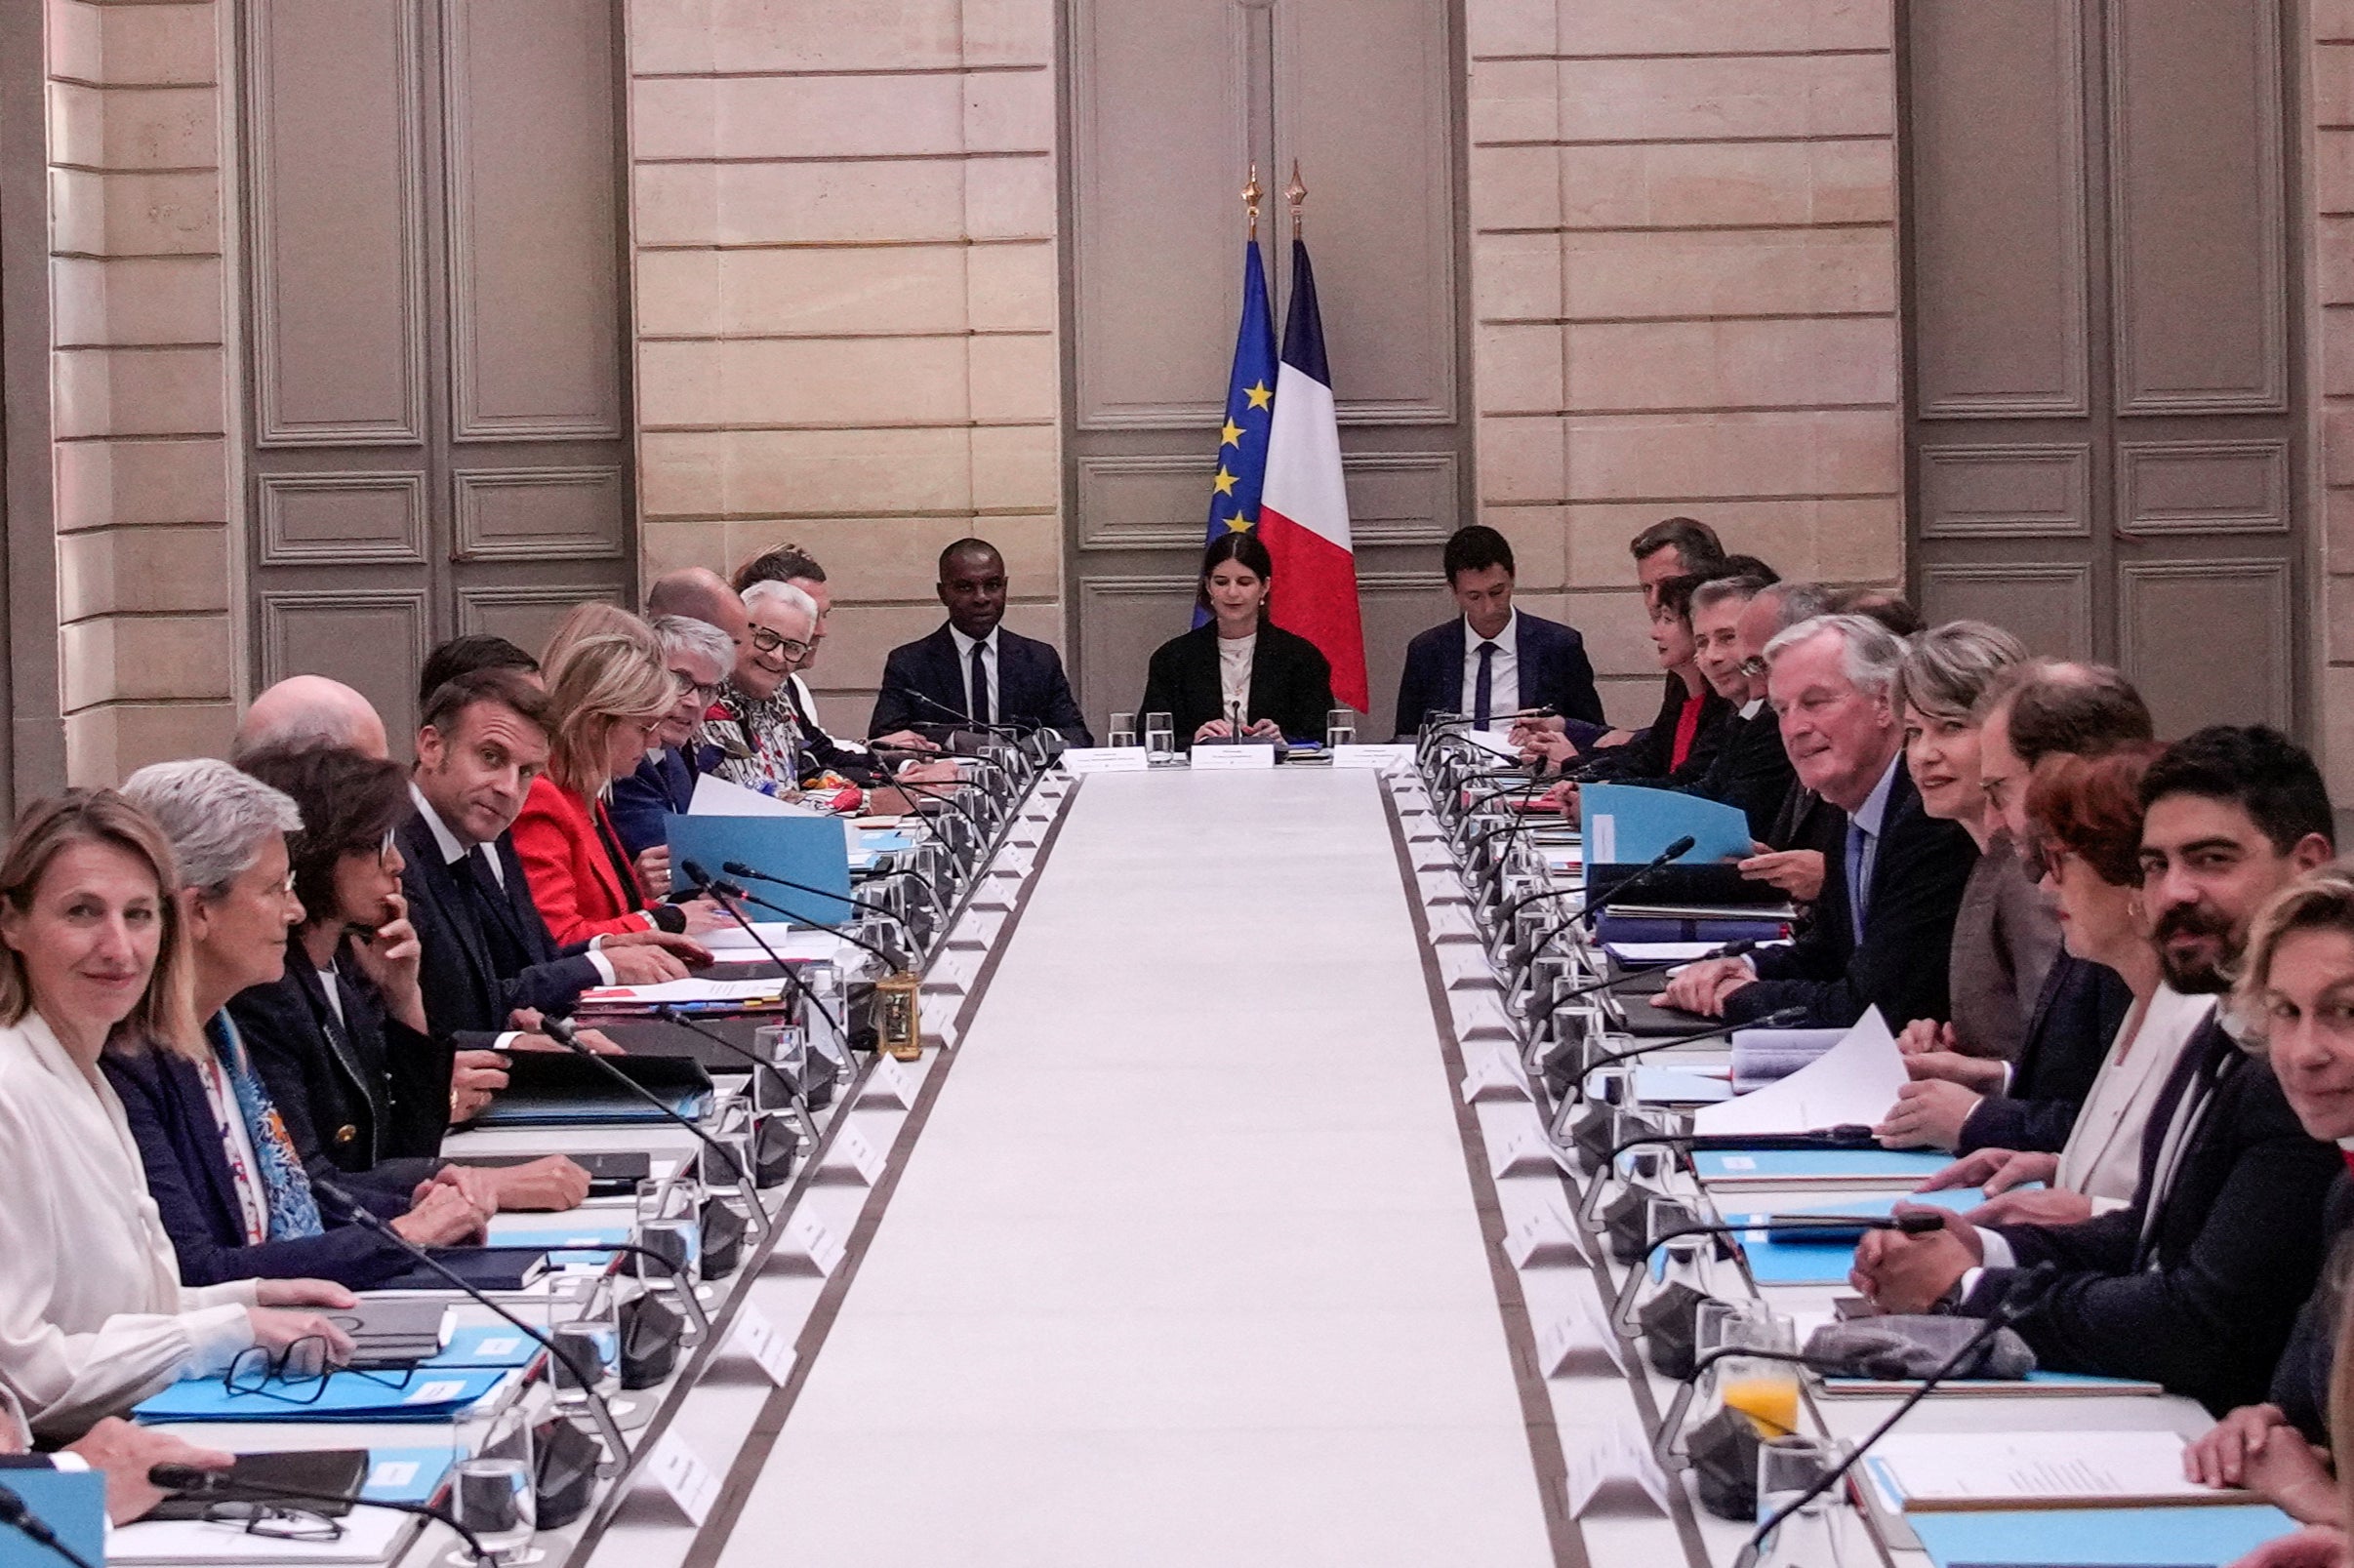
{"type": "Point", "coordinates": [280, 500]}
{"type": "Point", "coordinates": [2025, 491]}
{"type": "Point", "coordinates": [2242, 605]}
{"type": "Point", "coordinates": [2007, 593]}
{"type": "Point", "coordinates": [493, 506]}
{"type": "Point", "coordinates": [2245, 485]}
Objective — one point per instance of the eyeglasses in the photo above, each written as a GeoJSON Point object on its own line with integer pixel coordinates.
{"type": "Point", "coordinates": [704, 692]}
{"type": "Point", "coordinates": [1753, 666]}
{"type": "Point", "coordinates": [769, 642]}
{"type": "Point", "coordinates": [297, 1375]}
{"type": "Point", "coordinates": [388, 849]}
{"type": "Point", "coordinates": [274, 1520]}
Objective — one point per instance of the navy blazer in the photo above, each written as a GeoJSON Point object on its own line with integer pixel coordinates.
{"type": "Point", "coordinates": [1750, 771]}
{"type": "Point", "coordinates": [1031, 690]}
{"type": "Point", "coordinates": [2074, 1020]}
{"type": "Point", "coordinates": [664, 783]}
{"type": "Point", "coordinates": [188, 1176]}
{"type": "Point", "coordinates": [1553, 670]}
{"type": "Point", "coordinates": [1902, 964]}
{"type": "Point", "coordinates": [467, 994]}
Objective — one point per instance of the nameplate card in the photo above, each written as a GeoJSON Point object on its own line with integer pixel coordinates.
{"type": "Point", "coordinates": [1584, 1332]}
{"type": "Point", "coordinates": [680, 1471]}
{"type": "Point", "coordinates": [1492, 1075]}
{"type": "Point", "coordinates": [761, 1339]}
{"type": "Point", "coordinates": [1378, 758]}
{"type": "Point", "coordinates": [889, 1086]}
{"type": "Point", "coordinates": [1526, 1152]}
{"type": "Point", "coordinates": [1619, 1455]}
{"type": "Point", "coordinates": [812, 1240]}
{"type": "Point", "coordinates": [1105, 759]}
{"type": "Point", "coordinates": [1248, 754]}
{"type": "Point", "coordinates": [1544, 1238]}
{"type": "Point", "coordinates": [851, 1160]}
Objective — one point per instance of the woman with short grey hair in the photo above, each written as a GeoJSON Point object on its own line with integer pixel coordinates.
{"type": "Point", "coordinates": [2006, 936]}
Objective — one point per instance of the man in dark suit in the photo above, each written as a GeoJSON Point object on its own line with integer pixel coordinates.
{"type": "Point", "coordinates": [973, 668]}
{"type": "Point", "coordinates": [2196, 1284]}
{"type": "Point", "coordinates": [1492, 660]}
{"type": "Point", "coordinates": [1881, 930]}
{"type": "Point", "coordinates": [487, 953]}
{"type": "Point", "coordinates": [699, 655]}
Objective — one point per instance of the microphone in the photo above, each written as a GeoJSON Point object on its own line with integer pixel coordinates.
{"type": "Point", "coordinates": [1786, 1018]}
{"type": "Point", "coordinates": [2025, 1297]}
{"type": "Point", "coordinates": [1596, 905]}
{"type": "Point", "coordinates": [30, 1525]}
{"type": "Point", "coordinates": [739, 868]}
{"type": "Point", "coordinates": [617, 1447]}
{"type": "Point", "coordinates": [980, 834]}
{"type": "Point", "coordinates": [1731, 949]}
{"type": "Point", "coordinates": [672, 1016]}
{"type": "Point", "coordinates": [186, 1480]}
{"type": "Point", "coordinates": [956, 715]}
{"type": "Point", "coordinates": [564, 1035]}
{"type": "Point", "coordinates": [724, 895]}
{"type": "Point", "coordinates": [695, 873]}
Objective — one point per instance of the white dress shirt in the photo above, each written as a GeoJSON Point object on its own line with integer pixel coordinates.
{"type": "Point", "coordinates": [1503, 671]}
{"type": "Point", "coordinates": [964, 672]}
{"type": "Point", "coordinates": [93, 1316]}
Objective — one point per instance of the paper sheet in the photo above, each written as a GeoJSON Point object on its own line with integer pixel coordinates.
{"type": "Point", "coordinates": [1854, 1083]}
{"type": "Point", "coordinates": [790, 941]}
{"type": "Point", "coordinates": [691, 989]}
{"type": "Point", "coordinates": [715, 796]}
{"type": "Point", "coordinates": [1978, 1469]}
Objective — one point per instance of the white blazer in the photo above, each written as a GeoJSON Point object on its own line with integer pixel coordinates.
{"type": "Point", "coordinates": [93, 1316]}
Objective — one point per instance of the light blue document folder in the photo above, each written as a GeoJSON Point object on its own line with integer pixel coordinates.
{"type": "Point", "coordinates": [1824, 1260]}
{"type": "Point", "coordinates": [440, 1395]}
{"type": "Point", "coordinates": [809, 850]}
{"type": "Point", "coordinates": [2098, 1538]}
{"type": "Point", "coordinates": [1627, 824]}
{"type": "Point", "coordinates": [406, 1474]}
{"type": "Point", "coordinates": [71, 1503]}
{"type": "Point", "coordinates": [1890, 1165]}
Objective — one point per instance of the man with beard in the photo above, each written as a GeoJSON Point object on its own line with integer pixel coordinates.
{"type": "Point", "coordinates": [2195, 1283]}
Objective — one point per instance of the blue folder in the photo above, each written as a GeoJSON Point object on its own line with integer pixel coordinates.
{"type": "Point", "coordinates": [2202, 1537]}
{"type": "Point", "coordinates": [72, 1502]}
{"type": "Point", "coordinates": [587, 1239]}
{"type": "Point", "coordinates": [1824, 1260]}
{"type": "Point", "coordinates": [813, 851]}
{"type": "Point", "coordinates": [483, 1347]}
{"type": "Point", "coordinates": [1627, 824]}
{"type": "Point", "coordinates": [406, 1474]}
{"type": "Point", "coordinates": [421, 1396]}
{"type": "Point", "coordinates": [1895, 1166]}
{"type": "Point", "coordinates": [1673, 1086]}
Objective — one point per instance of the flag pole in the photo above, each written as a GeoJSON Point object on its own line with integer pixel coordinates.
{"type": "Point", "coordinates": [1295, 194]}
{"type": "Point", "coordinates": [1251, 194]}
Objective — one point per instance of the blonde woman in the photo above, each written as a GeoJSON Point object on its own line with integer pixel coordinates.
{"type": "Point", "coordinates": [93, 949]}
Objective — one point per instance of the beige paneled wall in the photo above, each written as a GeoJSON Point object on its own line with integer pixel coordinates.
{"type": "Point", "coordinates": [139, 383]}
{"type": "Point", "coordinates": [1683, 262]}
{"type": "Point", "coordinates": [2331, 194]}
{"type": "Point", "coordinates": [846, 281]}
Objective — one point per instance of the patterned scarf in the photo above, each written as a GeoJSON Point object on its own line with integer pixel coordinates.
{"type": "Point", "coordinates": [294, 1213]}
{"type": "Point", "coordinates": [771, 729]}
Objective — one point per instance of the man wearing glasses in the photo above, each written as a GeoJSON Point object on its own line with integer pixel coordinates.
{"type": "Point", "coordinates": [699, 656]}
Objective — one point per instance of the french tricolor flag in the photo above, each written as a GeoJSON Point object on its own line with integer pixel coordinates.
{"type": "Point", "coordinates": [1304, 509]}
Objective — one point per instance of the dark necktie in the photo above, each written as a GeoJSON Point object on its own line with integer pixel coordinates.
{"type": "Point", "coordinates": [497, 917]}
{"type": "Point", "coordinates": [978, 713]}
{"type": "Point", "coordinates": [1483, 690]}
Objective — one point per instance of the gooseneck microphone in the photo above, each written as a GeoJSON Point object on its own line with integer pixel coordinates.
{"type": "Point", "coordinates": [1731, 949]}
{"type": "Point", "coordinates": [955, 716]}
{"type": "Point", "coordinates": [32, 1527]}
{"type": "Point", "coordinates": [739, 868]}
{"type": "Point", "coordinates": [186, 1480]}
{"type": "Point", "coordinates": [1784, 1019]}
{"type": "Point", "coordinates": [719, 895]}
{"type": "Point", "coordinates": [617, 1447]}
{"type": "Point", "coordinates": [1595, 906]}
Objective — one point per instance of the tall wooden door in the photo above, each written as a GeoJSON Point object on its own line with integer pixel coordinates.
{"type": "Point", "coordinates": [436, 388]}
{"type": "Point", "coordinates": [1170, 102]}
{"type": "Point", "coordinates": [2105, 433]}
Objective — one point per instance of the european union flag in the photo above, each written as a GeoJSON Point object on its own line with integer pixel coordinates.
{"type": "Point", "coordinates": [1249, 409]}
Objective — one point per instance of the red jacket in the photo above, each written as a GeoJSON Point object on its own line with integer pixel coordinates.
{"type": "Point", "coordinates": [580, 891]}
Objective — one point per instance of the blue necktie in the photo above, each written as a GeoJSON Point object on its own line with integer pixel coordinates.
{"type": "Point", "coordinates": [1483, 687]}
{"type": "Point", "coordinates": [1857, 892]}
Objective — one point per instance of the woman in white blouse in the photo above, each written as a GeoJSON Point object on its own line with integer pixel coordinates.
{"type": "Point", "coordinates": [2087, 841]}
{"type": "Point", "coordinates": [93, 1316]}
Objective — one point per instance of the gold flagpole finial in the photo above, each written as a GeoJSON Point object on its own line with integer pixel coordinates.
{"type": "Point", "coordinates": [1251, 196]}
{"type": "Point", "coordinates": [1295, 194]}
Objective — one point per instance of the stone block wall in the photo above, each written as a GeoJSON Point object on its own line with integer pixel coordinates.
{"type": "Point", "coordinates": [1684, 292]}
{"type": "Point", "coordinates": [846, 285]}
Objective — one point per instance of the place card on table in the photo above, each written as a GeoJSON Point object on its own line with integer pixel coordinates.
{"type": "Point", "coordinates": [809, 1238]}
{"type": "Point", "coordinates": [1544, 1238]}
{"type": "Point", "coordinates": [1491, 1075]}
{"type": "Point", "coordinates": [1379, 759]}
{"type": "Point", "coordinates": [1583, 1331]}
{"type": "Point", "coordinates": [889, 1086]}
{"type": "Point", "coordinates": [1084, 760]}
{"type": "Point", "coordinates": [1251, 754]}
{"type": "Point", "coordinates": [1526, 1152]}
{"type": "Point", "coordinates": [851, 1160]}
{"type": "Point", "coordinates": [1621, 1454]}
{"type": "Point", "coordinates": [680, 1471]}
{"type": "Point", "coordinates": [758, 1337]}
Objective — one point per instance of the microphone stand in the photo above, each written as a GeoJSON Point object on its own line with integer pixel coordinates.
{"type": "Point", "coordinates": [739, 868]}
{"type": "Point", "coordinates": [186, 1480]}
{"type": "Point", "coordinates": [1829, 1225]}
{"type": "Point", "coordinates": [563, 1033]}
{"type": "Point", "coordinates": [33, 1528]}
{"type": "Point", "coordinates": [617, 1447]}
{"type": "Point", "coordinates": [2025, 1297]}
{"type": "Point", "coordinates": [801, 1100]}
{"type": "Point", "coordinates": [1595, 906]}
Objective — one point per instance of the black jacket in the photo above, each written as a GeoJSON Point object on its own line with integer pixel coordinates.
{"type": "Point", "coordinates": [1031, 688]}
{"type": "Point", "coordinates": [2201, 1299]}
{"type": "Point", "coordinates": [1901, 964]}
{"type": "Point", "coordinates": [1554, 671]}
{"type": "Point", "coordinates": [2076, 1019]}
{"type": "Point", "coordinates": [468, 991]}
{"type": "Point", "coordinates": [1646, 760]}
{"type": "Point", "coordinates": [2301, 1383]}
{"type": "Point", "coordinates": [366, 1097]}
{"type": "Point", "coordinates": [188, 1176]}
{"type": "Point", "coordinates": [1290, 683]}
{"type": "Point", "coordinates": [1750, 771]}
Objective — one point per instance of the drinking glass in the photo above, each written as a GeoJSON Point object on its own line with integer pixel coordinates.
{"type": "Point", "coordinates": [1340, 727]}
{"type": "Point", "coordinates": [783, 1051]}
{"type": "Point", "coordinates": [1678, 1258]}
{"type": "Point", "coordinates": [1786, 1468]}
{"type": "Point", "coordinates": [1161, 737]}
{"type": "Point", "coordinates": [1766, 1392]}
{"type": "Point", "coordinates": [586, 1326]}
{"type": "Point", "coordinates": [1124, 730]}
{"type": "Point", "coordinates": [495, 1498]}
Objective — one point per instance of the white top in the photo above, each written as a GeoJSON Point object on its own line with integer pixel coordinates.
{"type": "Point", "coordinates": [964, 672]}
{"type": "Point", "coordinates": [2103, 1158]}
{"type": "Point", "coordinates": [1234, 656]}
{"type": "Point", "coordinates": [93, 1316]}
{"type": "Point", "coordinates": [1503, 671]}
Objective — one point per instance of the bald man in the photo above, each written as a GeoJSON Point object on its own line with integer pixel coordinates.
{"type": "Point", "coordinates": [307, 710]}
{"type": "Point", "coordinates": [700, 594]}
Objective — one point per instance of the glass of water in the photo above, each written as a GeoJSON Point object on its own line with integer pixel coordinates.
{"type": "Point", "coordinates": [1787, 1466]}
{"type": "Point", "coordinates": [586, 1328]}
{"type": "Point", "coordinates": [494, 1498]}
{"type": "Point", "coordinates": [1124, 730]}
{"type": "Point", "coordinates": [1340, 727]}
{"type": "Point", "coordinates": [1161, 737]}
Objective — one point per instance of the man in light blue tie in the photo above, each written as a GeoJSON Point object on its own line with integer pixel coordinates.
{"type": "Point", "coordinates": [1884, 926]}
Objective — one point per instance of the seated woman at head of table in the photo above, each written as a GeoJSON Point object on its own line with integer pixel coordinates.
{"type": "Point", "coordinates": [1282, 680]}
{"type": "Point", "coordinates": [93, 954]}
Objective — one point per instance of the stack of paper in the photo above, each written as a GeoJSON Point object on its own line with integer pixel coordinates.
{"type": "Point", "coordinates": [1854, 1083]}
{"type": "Point", "coordinates": [1975, 1471]}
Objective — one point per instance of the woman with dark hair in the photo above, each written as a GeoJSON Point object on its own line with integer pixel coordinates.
{"type": "Point", "coordinates": [341, 1040]}
{"type": "Point", "coordinates": [1281, 681]}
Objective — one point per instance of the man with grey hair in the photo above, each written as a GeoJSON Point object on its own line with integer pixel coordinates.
{"type": "Point", "coordinates": [303, 712]}
{"type": "Point", "coordinates": [699, 656]}
{"type": "Point", "coordinates": [1804, 832]}
{"type": "Point", "coordinates": [1884, 926]}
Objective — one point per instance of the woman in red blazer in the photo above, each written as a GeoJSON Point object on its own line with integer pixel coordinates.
{"type": "Point", "coordinates": [608, 693]}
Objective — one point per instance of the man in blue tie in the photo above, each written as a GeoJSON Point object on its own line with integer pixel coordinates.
{"type": "Point", "coordinates": [1884, 926]}
{"type": "Point", "coordinates": [1493, 660]}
